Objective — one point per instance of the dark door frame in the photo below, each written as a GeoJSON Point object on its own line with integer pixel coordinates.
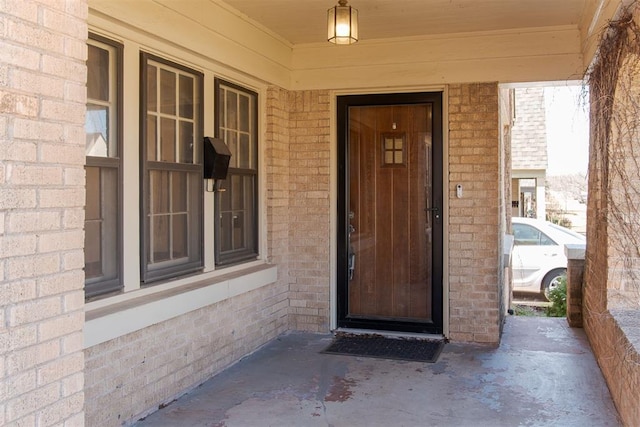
{"type": "Point", "coordinates": [343, 104]}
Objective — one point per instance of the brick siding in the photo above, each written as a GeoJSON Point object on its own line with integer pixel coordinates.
{"type": "Point", "coordinates": [309, 212]}
{"type": "Point", "coordinates": [42, 105]}
{"type": "Point", "coordinates": [529, 134]}
{"type": "Point", "coordinates": [278, 183]}
{"type": "Point", "coordinates": [128, 377]}
{"type": "Point", "coordinates": [474, 238]}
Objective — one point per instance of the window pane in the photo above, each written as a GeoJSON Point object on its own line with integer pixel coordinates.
{"type": "Point", "coordinates": [167, 92]}
{"type": "Point", "coordinates": [225, 196]}
{"type": "Point", "coordinates": [245, 118]}
{"type": "Point", "coordinates": [92, 250]}
{"type": "Point", "coordinates": [186, 97]}
{"type": "Point", "coordinates": [180, 236]}
{"type": "Point", "coordinates": [178, 192]}
{"type": "Point", "coordinates": [101, 212]}
{"type": "Point", "coordinates": [152, 137]}
{"type": "Point", "coordinates": [167, 140]}
{"type": "Point", "coordinates": [97, 73]}
{"type": "Point", "coordinates": [244, 151]}
{"type": "Point", "coordinates": [222, 110]}
{"type": "Point", "coordinates": [93, 225]}
{"type": "Point", "coordinates": [388, 157]}
{"type": "Point", "coordinates": [226, 225]}
{"type": "Point", "coordinates": [97, 130]}
{"type": "Point", "coordinates": [159, 191]}
{"type": "Point", "coordinates": [388, 144]}
{"type": "Point", "coordinates": [186, 142]}
{"type": "Point", "coordinates": [238, 230]}
{"type": "Point", "coordinates": [237, 191]}
{"type": "Point", "coordinates": [92, 206]}
{"type": "Point", "coordinates": [232, 110]}
{"type": "Point", "coordinates": [152, 88]}
{"type": "Point", "coordinates": [232, 142]}
{"type": "Point", "coordinates": [160, 238]}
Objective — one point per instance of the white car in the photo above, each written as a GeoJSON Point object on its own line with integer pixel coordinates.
{"type": "Point", "coordinates": [538, 260]}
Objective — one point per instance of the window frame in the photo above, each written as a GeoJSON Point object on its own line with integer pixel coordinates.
{"type": "Point", "coordinates": [247, 254]}
{"type": "Point", "coordinates": [95, 287]}
{"type": "Point", "coordinates": [171, 269]}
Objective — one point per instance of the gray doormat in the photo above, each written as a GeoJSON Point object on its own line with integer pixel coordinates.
{"type": "Point", "coordinates": [373, 345]}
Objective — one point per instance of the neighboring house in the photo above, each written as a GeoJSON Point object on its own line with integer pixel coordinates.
{"type": "Point", "coordinates": [126, 282]}
{"type": "Point", "coordinates": [529, 153]}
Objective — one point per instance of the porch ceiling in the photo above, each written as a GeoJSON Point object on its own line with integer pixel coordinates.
{"type": "Point", "coordinates": [304, 21]}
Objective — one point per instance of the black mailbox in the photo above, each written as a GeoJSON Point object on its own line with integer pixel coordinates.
{"type": "Point", "coordinates": [216, 158]}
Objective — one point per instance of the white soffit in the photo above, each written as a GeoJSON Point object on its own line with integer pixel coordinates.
{"type": "Point", "coordinates": [304, 21]}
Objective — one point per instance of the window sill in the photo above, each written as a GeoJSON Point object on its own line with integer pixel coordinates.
{"type": "Point", "coordinates": [123, 314]}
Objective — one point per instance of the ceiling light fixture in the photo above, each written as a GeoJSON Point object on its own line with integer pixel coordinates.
{"type": "Point", "coordinates": [342, 24]}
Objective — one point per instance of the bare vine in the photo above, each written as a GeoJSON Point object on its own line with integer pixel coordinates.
{"type": "Point", "coordinates": [615, 155]}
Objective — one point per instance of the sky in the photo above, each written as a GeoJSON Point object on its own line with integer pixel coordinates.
{"type": "Point", "coordinates": [567, 116]}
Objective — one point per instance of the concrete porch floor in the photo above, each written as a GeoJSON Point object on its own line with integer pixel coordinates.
{"type": "Point", "coordinates": [543, 374]}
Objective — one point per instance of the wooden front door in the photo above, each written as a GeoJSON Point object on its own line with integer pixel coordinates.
{"type": "Point", "coordinates": [390, 254]}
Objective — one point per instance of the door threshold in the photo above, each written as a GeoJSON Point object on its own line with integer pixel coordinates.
{"type": "Point", "coordinates": [392, 334]}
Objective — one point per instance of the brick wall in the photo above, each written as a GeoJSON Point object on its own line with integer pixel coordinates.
{"type": "Point", "coordinates": [612, 238]}
{"type": "Point", "coordinates": [575, 273]}
{"type": "Point", "coordinates": [529, 134]}
{"type": "Point", "coordinates": [278, 183]}
{"type": "Point", "coordinates": [474, 238]}
{"type": "Point", "coordinates": [42, 104]}
{"type": "Point", "coordinates": [128, 377]}
{"type": "Point", "coordinates": [309, 235]}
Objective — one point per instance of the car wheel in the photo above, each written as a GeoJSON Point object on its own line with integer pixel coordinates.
{"type": "Point", "coordinates": [552, 280]}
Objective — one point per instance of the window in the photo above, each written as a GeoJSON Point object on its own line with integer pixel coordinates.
{"type": "Point", "coordinates": [236, 219]}
{"type": "Point", "coordinates": [531, 236]}
{"type": "Point", "coordinates": [171, 152]}
{"type": "Point", "coordinates": [103, 127]}
{"type": "Point", "coordinates": [393, 148]}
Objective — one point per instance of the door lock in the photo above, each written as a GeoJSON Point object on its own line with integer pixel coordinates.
{"type": "Point", "coordinates": [435, 210]}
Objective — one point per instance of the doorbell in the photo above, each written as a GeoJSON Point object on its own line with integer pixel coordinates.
{"type": "Point", "coordinates": [459, 191]}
